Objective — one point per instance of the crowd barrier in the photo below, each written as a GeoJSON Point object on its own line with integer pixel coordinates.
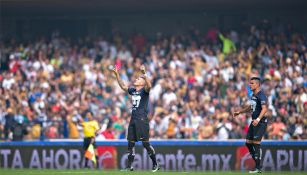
{"type": "Point", "coordinates": [172, 155]}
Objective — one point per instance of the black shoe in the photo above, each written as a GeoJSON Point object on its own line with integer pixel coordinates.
{"type": "Point", "coordinates": [127, 169]}
{"type": "Point", "coordinates": [155, 168]}
{"type": "Point", "coordinates": [255, 171]}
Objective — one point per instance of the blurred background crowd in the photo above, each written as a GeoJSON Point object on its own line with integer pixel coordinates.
{"type": "Point", "coordinates": [199, 78]}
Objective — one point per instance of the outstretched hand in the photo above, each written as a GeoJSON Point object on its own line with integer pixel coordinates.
{"type": "Point", "coordinates": [236, 113]}
{"type": "Point", "coordinates": [114, 70]}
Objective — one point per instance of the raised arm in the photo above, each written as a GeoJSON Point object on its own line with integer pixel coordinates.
{"type": "Point", "coordinates": [233, 46]}
{"type": "Point", "coordinates": [120, 82]}
{"type": "Point", "coordinates": [221, 37]}
{"type": "Point", "coordinates": [147, 81]}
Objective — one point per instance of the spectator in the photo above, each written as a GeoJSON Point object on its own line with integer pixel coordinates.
{"type": "Point", "coordinates": [276, 129]}
{"type": "Point", "coordinates": [228, 45]}
{"type": "Point", "coordinates": [171, 129]}
{"type": "Point", "coordinates": [73, 127]}
{"type": "Point", "coordinates": [19, 129]}
{"type": "Point", "coordinates": [108, 133]}
{"type": "Point", "coordinates": [235, 133]}
{"type": "Point", "coordinates": [206, 131]}
{"type": "Point", "coordinates": [223, 129]}
{"type": "Point", "coordinates": [9, 123]}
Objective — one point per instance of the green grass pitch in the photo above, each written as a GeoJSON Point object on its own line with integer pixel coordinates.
{"type": "Point", "coordinates": [114, 172]}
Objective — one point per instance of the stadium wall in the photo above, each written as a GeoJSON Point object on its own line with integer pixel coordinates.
{"type": "Point", "coordinates": [30, 28]}
{"type": "Point", "coordinates": [172, 155]}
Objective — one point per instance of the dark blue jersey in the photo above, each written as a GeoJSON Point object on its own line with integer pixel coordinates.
{"type": "Point", "coordinates": [139, 102]}
{"type": "Point", "coordinates": [256, 104]}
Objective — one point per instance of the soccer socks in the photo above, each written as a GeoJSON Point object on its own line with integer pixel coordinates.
{"type": "Point", "coordinates": [258, 154]}
{"type": "Point", "coordinates": [97, 161]}
{"type": "Point", "coordinates": [153, 158]}
{"type": "Point", "coordinates": [151, 152]}
{"type": "Point", "coordinates": [131, 153]}
{"type": "Point", "coordinates": [87, 160]}
{"type": "Point", "coordinates": [251, 150]}
{"type": "Point", "coordinates": [86, 163]}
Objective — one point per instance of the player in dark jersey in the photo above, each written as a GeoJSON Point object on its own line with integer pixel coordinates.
{"type": "Point", "coordinates": [256, 130]}
{"type": "Point", "coordinates": [138, 129]}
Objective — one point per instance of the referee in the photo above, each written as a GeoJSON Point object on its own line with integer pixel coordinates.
{"type": "Point", "coordinates": [257, 128]}
{"type": "Point", "coordinates": [90, 128]}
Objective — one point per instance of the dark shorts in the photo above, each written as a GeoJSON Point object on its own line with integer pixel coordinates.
{"type": "Point", "coordinates": [256, 132]}
{"type": "Point", "coordinates": [138, 130]}
{"type": "Point", "coordinates": [87, 142]}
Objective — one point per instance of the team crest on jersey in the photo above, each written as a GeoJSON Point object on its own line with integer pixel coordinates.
{"type": "Point", "coordinates": [136, 99]}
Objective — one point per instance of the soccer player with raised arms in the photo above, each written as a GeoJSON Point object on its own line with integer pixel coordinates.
{"type": "Point", "coordinates": [138, 129]}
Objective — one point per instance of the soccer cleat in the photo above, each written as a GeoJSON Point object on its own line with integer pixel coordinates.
{"type": "Point", "coordinates": [127, 169]}
{"type": "Point", "coordinates": [255, 171]}
{"type": "Point", "coordinates": [155, 168]}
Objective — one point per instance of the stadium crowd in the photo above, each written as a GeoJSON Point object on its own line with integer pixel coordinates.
{"type": "Point", "coordinates": [199, 78]}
